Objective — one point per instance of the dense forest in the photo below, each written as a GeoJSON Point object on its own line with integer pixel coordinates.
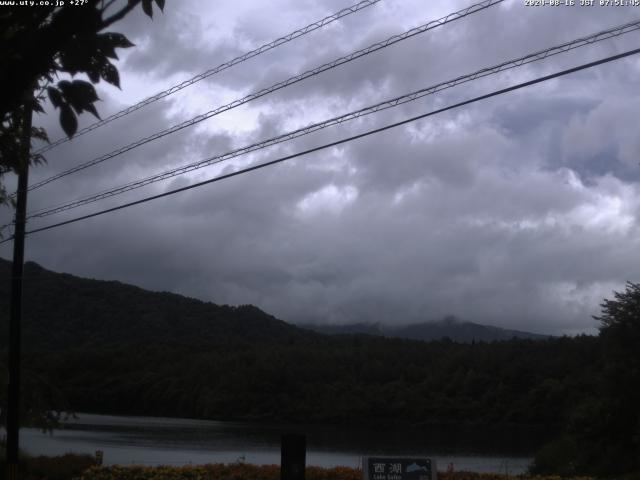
{"type": "Point", "coordinates": [352, 379]}
{"type": "Point", "coordinates": [127, 351]}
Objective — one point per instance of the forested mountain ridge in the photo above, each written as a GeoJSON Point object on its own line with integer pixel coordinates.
{"type": "Point", "coordinates": [65, 311]}
{"type": "Point", "coordinates": [451, 328]}
{"type": "Point", "coordinates": [62, 311]}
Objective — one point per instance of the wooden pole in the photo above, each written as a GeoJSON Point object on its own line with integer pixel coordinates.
{"type": "Point", "coordinates": [15, 317]}
{"type": "Point", "coordinates": [293, 457]}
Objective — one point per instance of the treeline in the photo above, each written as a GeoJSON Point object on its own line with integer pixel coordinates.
{"type": "Point", "coordinates": [334, 380]}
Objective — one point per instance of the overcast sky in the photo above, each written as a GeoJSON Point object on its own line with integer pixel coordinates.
{"type": "Point", "coordinates": [520, 211]}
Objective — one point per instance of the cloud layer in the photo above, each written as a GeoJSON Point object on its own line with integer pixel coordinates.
{"type": "Point", "coordinates": [520, 211]}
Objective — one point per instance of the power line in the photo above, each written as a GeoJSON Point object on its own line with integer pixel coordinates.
{"type": "Point", "coordinates": [524, 60]}
{"type": "Point", "coordinates": [277, 86]}
{"type": "Point", "coordinates": [223, 66]}
{"type": "Point", "coordinates": [339, 142]}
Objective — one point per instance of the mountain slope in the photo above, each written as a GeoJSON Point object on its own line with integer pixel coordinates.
{"type": "Point", "coordinates": [456, 330]}
{"type": "Point", "coordinates": [64, 311]}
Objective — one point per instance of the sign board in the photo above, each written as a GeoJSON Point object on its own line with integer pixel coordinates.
{"type": "Point", "coordinates": [398, 468]}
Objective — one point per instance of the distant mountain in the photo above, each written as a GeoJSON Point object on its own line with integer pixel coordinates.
{"type": "Point", "coordinates": [452, 328]}
{"type": "Point", "coordinates": [64, 311]}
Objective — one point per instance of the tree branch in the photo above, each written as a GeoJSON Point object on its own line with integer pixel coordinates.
{"type": "Point", "coordinates": [119, 15]}
{"type": "Point", "coordinates": [106, 7]}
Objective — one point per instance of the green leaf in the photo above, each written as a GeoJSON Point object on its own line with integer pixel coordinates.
{"type": "Point", "coordinates": [85, 91]}
{"type": "Point", "coordinates": [160, 4]}
{"type": "Point", "coordinates": [37, 159]}
{"type": "Point", "coordinates": [64, 85]}
{"type": "Point", "coordinates": [118, 40]}
{"type": "Point", "coordinates": [70, 96]}
{"type": "Point", "coordinates": [68, 120]}
{"type": "Point", "coordinates": [36, 106]}
{"type": "Point", "coordinates": [110, 75]}
{"type": "Point", "coordinates": [108, 50]}
{"type": "Point", "coordinates": [92, 109]}
{"type": "Point", "coordinates": [80, 95]}
{"type": "Point", "coordinates": [93, 75]}
{"type": "Point", "coordinates": [147, 7]}
{"type": "Point", "coordinates": [54, 97]}
{"type": "Point", "coordinates": [40, 133]}
{"type": "Point", "coordinates": [77, 57]}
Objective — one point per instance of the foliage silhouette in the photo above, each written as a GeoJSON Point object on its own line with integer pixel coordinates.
{"type": "Point", "coordinates": [602, 433]}
{"type": "Point", "coordinates": [40, 44]}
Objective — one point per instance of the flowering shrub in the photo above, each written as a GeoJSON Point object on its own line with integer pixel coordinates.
{"type": "Point", "coordinates": [263, 472]}
{"type": "Point", "coordinates": [64, 467]}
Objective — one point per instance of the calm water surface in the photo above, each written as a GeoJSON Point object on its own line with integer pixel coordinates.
{"type": "Point", "coordinates": [170, 441]}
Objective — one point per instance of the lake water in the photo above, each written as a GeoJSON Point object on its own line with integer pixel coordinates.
{"type": "Point", "coordinates": [170, 441]}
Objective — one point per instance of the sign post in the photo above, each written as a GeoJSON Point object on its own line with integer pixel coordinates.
{"type": "Point", "coordinates": [398, 468]}
{"type": "Point", "coordinates": [293, 457]}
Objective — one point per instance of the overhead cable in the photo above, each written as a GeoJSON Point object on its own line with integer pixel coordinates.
{"type": "Point", "coordinates": [277, 86]}
{"type": "Point", "coordinates": [223, 66]}
{"type": "Point", "coordinates": [338, 142]}
{"type": "Point", "coordinates": [409, 97]}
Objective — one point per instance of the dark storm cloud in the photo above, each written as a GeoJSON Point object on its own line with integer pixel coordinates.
{"type": "Point", "coordinates": [157, 156]}
{"type": "Point", "coordinates": [177, 44]}
{"type": "Point", "coordinates": [521, 211]}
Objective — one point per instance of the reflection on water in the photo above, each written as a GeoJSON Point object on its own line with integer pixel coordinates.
{"type": "Point", "coordinates": [170, 441]}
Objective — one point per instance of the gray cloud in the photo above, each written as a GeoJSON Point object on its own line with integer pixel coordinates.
{"type": "Point", "coordinates": [521, 211]}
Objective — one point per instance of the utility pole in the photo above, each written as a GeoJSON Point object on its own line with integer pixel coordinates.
{"type": "Point", "coordinates": [15, 318]}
